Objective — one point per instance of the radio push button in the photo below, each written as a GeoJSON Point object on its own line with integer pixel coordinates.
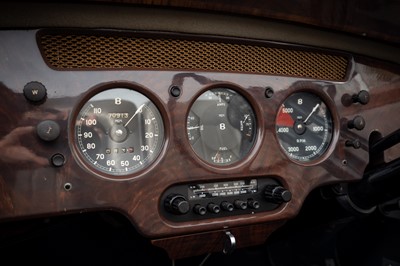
{"type": "Point", "coordinates": [240, 204]}
{"type": "Point", "coordinates": [253, 204]}
{"type": "Point", "coordinates": [227, 206]}
{"type": "Point", "coordinates": [214, 208]}
{"type": "Point", "coordinates": [201, 210]}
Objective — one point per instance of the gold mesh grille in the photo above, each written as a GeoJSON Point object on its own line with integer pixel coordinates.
{"type": "Point", "coordinates": [119, 52]}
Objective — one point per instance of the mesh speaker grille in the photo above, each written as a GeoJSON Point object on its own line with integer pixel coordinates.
{"type": "Point", "coordinates": [121, 52]}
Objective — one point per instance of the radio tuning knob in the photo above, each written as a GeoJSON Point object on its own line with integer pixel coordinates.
{"type": "Point", "coordinates": [176, 204]}
{"type": "Point", "coordinates": [277, 194]}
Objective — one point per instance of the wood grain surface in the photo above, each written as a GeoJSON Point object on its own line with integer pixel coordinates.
{"type": "Point", "coordinates": [364, 18]}
{"type": "Point", "coordinates": [30, 186]}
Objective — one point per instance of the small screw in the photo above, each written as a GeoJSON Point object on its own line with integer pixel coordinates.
{"type": "Point", "coordinates": [67, 186]}
{"type": "Point", "coordinates": [175, 91]}
{"type": "Point", "coordinates": [57, 160]}
{"type": "Point", "coordinates": [269, 92]}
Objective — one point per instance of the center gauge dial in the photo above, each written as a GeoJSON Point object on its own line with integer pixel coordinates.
{"type": "Point", "coordinates": [221, 126]}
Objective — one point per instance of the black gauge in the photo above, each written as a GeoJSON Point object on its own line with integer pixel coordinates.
{"type": "Point", "coordinates": [304, 127]}
{"type": "Point", "coordinates": [119, 131]}
{"type": "Point", "coordinates": [221, 126]}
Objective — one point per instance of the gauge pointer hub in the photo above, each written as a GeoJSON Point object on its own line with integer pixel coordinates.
{"type": "Point", "coordinates": [299, 127]}
{"type": "Point", "coordinates": [118, 133]}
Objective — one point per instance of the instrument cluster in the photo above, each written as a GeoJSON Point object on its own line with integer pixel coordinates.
{"type": "Point", "coordinates": [120, 131]}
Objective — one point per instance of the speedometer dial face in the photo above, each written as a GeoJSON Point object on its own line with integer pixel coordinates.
{"type": "Point", "coordinates": [119, 132]}
{"type": "Point", "coordinates": [304, 127]}
{"type": "Point", "coordinates": [221, 126]}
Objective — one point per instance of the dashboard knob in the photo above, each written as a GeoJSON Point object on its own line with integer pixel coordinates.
{"type": "Point", "coordinates": [227, 206]}
{"type": "Point", "coordinates": [355, 143]}
{"type": "Point", "coordinates": [358, 123]}
{"type": "Point", "coordinates": [214, 208]}
{"type": "Point", "coordinates": [176, 204]}
{"type": "Point", "coordinates": [277, 194]}
{"type": "Point", "coordinates": [254, 204]}
{"type": "Point", "coordinates": [240, 204]}
{"type": "Point", "coordinates": [362, 97]}
{"type": "Point", "coordinates": [201, 210]}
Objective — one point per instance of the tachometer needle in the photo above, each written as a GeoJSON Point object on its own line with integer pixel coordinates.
{"type": "Point", "coordinates": [137, 111]}
{"type": "Point", "coordinates": [313, 111]}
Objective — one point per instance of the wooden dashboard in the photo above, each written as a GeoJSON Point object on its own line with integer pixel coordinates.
{"type": "Point", "coordinates": [46, 175]}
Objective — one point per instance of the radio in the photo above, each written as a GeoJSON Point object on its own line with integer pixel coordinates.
{"type": "Point", "coordinates": [188, 202]}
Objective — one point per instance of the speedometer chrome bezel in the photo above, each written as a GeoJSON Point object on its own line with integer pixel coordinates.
{"type": "Point", "coordinates": [108, 86]}
{"type": "Point", "coordinates": [330, 105]}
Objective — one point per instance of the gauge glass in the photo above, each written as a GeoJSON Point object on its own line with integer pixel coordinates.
{"type": "Point", "coordinates": [119, 132]}
{"type": "Point", "coordinates": [221, 126]}
{"type": "Point", "coordinates": [304, 127]}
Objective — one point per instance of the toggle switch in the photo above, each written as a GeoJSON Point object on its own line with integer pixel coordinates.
{"type": "Point", "coordinates": [355, 143]}
{"type": "Point", "coordinates": [358, 123]}
{"type": "Point", "coordinates": [362, 97]}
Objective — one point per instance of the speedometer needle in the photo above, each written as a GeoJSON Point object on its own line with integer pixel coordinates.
{"type": "Point", "coordinates": [137, 111]}
{"type": "Point", "coordinates": [313, 111]}
{"type": "Point", "coordinates": [245, 118]}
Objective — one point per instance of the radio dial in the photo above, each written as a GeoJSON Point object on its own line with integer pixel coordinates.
{"type": "Point", "coordinates": [176, 204]}
{"type": "Point", "coordinates": [277, 194]}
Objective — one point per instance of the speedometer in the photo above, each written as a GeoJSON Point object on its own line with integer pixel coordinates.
{"type": "Point", "coordinates": [304, 127]}
{"type": "Point", "coordinates": [119, 131]}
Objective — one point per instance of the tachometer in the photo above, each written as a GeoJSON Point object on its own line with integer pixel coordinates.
{"type": "Point", "coordinates": [221, 126]}
{"type": "Point", "coordinates": [119, 131]}
{"type": "Point", "coordinates": [304, 127]}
